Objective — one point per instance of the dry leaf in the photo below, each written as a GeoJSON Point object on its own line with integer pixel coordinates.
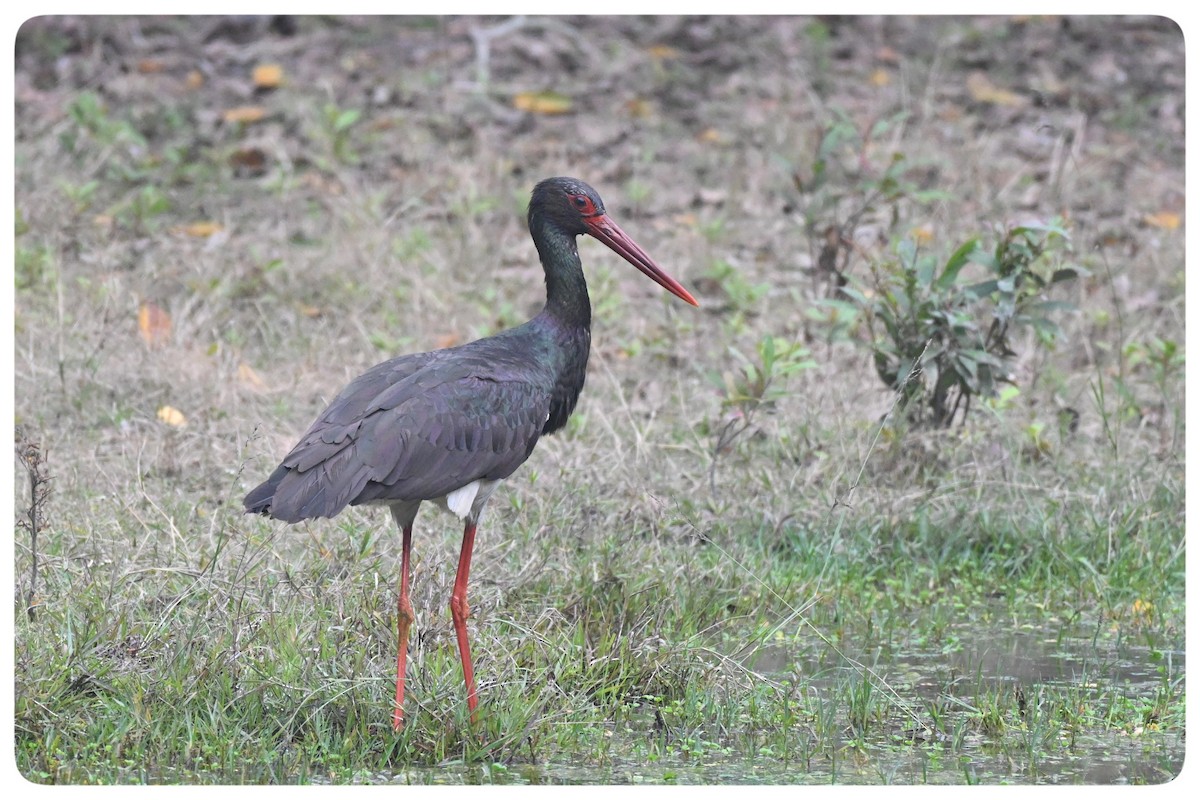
{"type": "Point", "coordinates": [1167, 220]}
{"type": "Point", "coordinates": [922, 234]}
{"type": "Point", "coordinates": [982, 90]}
{"type": "Point", "coordinates": [267, 76]}
{"type": "Point", "coordinates": [249, 159]}
{"type": "Point", "coordinates": [195, 79]}
{"type": "Point", "coordinates": [661, 52]}
{"type": "Point", "coordinates": [201, 230]}
{"type": "Point", "coordinates": [153, 323]}
{"type": "Point", "coordinates": [542, 102]}
{"type": "Point", "coordinates": [711, 136]}
{"type": "Point", "coordinates": [312, 312]}
{"type": "Point", "coordinates": [249, 377]}
{"type": "Point", "coordinates": [149, 66]}
{"type": "Point", "coordinates": [1142, 608]}
{"type": "Point", "coordinates": [880, 77]}
{"type": "Point", "coordinates": [244, 114]}
{"type": "Point", "coordinates": [950, 113]}
{"type": "Point", "coordinates": [172, 416]}
{"type": "Point", "coordinates": [447, 340]}
{"type": "Point", "coordinates": [638, 108]}
{"type": "Point", "coordinates": [323, 183]}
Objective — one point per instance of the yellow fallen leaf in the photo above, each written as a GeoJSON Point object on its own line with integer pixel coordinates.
{"type": "Point", "coordinates": [201, 230]}
{"type": "Point", "coordinates": [249, 377]}
{"type": "Point", "coordinates": [154, 324]}
{"type": "Point", "coordinates": [661, 52]}
{"type": "Point", "coordinates": [195, 79]}
{"type": "Point", "coordinates": [149, 66]}
{"type": "Point", "coordinates": [244, 114]}
{"type": "Point", "coordinates": [982, 90]}
{"type": "Point", "coordinates": [310, 311]}
{"type": "Point", "coordinates": [922, 234]}
{"type": "Point", "coordinates": [267, 76]}
{"type": "Point", "coordinates": [711, 136]}
{"type": "Point", "coordinates": [172, 416]}
{"type": "Point", "coordinates": [880, 77]}
{"type": "Point", "coordinates": [1166, 220]}
{"type": "Point", "coordinates": [542, 102]}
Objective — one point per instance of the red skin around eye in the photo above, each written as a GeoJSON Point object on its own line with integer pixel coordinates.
{"type": "Point", "coordinates": [588, 208]}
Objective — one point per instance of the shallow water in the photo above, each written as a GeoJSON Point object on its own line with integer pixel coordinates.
{"type": "Point", "coordinates": [953, 671]}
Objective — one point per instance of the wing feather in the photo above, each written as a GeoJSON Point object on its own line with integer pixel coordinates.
{"type": "Point", "coordinates": [414, 428]}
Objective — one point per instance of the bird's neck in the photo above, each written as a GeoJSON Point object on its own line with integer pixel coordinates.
{"type": "Point", "coordinates": [567, 318]}
{"type": "Point", "coordinates": [567, 298]}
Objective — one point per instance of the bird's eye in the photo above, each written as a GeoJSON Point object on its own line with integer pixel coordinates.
{"type": "Point", "coordinates": [583, 204]}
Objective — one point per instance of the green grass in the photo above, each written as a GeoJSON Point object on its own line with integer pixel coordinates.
{"type": "Point", "coordinates": [245, 668]}
{"type": "Point", "coordinates": [830, 596]}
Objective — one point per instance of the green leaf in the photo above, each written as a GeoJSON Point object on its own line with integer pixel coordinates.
{"type": "Point", "coordinates": [925, 269]}
{"type": "Point", "coordinates": [984, 258]}
{"type": "Point", "coordinates": [967, 364]}
{"type": "Point", "coordinates": [958, 259]}
{"type": "Point", "coordinates": [345, 119]}
{"type": "Point", "coordinates": [1053, 227]}
{"type": "Point", "coordinates": [982, 289]}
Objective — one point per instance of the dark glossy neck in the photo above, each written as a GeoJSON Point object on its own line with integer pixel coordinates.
{"type": "Point", "coordinates": [566, 290]}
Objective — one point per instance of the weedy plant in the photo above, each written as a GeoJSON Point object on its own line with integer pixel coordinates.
{"type": "Point", "coordinates": [337, 126]}
{"type": "Point", "coordinates": [29, 453]}
{"type": "Point", "coordinates": [939, 335]}
{"type": "Point", "coordinates": [940, 338]}
{"type": "Point", "coordinates": [842, 187]}
{"type": "Point", "coordinates": [755, 387]}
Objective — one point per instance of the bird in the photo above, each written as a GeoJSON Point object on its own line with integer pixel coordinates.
{"type": "Point", "coordinates": [447, 426]}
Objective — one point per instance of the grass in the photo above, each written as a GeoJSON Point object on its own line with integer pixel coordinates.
{"type": "Point", "coordinates": [827, 597]}
{"type": "Point", "coordinates": [247, 668]}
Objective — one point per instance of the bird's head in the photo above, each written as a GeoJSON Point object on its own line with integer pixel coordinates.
{"type": "Point", "coordinates": [573, 207]}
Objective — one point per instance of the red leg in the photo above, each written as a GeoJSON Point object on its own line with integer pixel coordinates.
{"type": "Point", "coordinates": [459, 610]}
{"type": "Point", "coordinates": [404, 619]}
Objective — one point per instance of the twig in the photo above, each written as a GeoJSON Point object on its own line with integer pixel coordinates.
{"type": "Point", "coordinates": [482, 38]}
{"type": "Point", "coordinates": [731, 430]}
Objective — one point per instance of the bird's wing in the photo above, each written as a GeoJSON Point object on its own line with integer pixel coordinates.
{"type": "Point", "coordinates": [414, 428]}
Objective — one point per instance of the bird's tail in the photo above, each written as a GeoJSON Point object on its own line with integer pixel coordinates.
{"type": "Point", "coordinates": [261, 497]}
{"type": "Point", "coordinates": [292, 494]}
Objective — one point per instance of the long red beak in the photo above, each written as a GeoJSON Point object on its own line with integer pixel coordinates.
{"type": "Point", "coordinates": [611, 234]}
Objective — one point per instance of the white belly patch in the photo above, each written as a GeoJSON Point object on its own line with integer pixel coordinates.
{"type": "Point", "coordinates": [459, 501]}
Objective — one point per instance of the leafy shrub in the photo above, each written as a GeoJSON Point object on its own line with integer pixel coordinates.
{"type": "Point", "coordinates": [940, 340]}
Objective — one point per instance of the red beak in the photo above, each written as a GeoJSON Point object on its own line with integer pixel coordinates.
{"type": "Point", "coordinates": [607, 231]}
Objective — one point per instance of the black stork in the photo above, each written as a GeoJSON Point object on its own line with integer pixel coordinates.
{"type": "Point", "coordinates": [449, 425]}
